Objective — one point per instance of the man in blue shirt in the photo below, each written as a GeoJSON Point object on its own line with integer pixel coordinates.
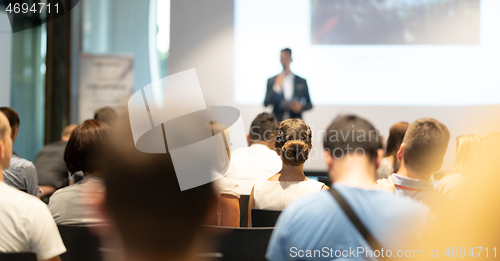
{"type": "Point", "coordinates": [316, 228]}
{"type": "Point", "coordinates": [21, 173]}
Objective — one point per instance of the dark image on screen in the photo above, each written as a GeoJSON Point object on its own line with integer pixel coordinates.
{"type": "Point", "coordinates": [395, 22]}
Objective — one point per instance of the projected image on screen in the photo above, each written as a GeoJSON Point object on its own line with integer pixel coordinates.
{"type": "Point", "coordinates": [371, 52]}
{"type": "Point", "coordinates": [437, 22]}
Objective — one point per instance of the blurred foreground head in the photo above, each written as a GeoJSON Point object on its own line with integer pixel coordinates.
{"type": "Point", "coordinates": [154, 218]}
{"type": "Point", "coordinates": [350, 135]}
{"type": "Point", "coordinates": [467, 153]}
{"type": "Point", "coordinates": [471, 220]}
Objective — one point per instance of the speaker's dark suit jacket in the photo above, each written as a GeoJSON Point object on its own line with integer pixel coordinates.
{"type": "Point", "coordinates": [300, 93]}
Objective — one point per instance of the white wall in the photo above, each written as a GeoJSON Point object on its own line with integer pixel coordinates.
{"type": "Point", "coordinates": [202, 38]}
{"type": "Point", "coordinates": [5, 59]}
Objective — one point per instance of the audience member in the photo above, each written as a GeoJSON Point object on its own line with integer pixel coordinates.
{"type": "Point", "coordinates": [472, 217]}
{"type": "Point", "coordinates": [21, 173]}
{"type": "Point", "coordinates": [293, 144]}
{"type": "Point", "coordinates": [82, 153]}
{"type": "Point", "coordinates": [154, 219]}
{"type": "Point", "coordinates": [50, 165]}
{"type": "Point", "coordinates": [259, 161]}
{"type": "Point", "coordinates": [466, 157]}
{"type": "Point", "coordinates": [352, 154]}
{"type": "Point", "coordinates": [107, 115]}
{"type": "Point", "coordinates": [228, 208]}
{"type": "Point", "coordinates": [421, 154]}
{"type": "Point", "coordinates": [25, 222]}
{"type": "Point", "coordinates": [389, 163]}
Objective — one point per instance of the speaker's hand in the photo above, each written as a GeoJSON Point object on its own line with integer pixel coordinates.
{"type": "Point", "coordinates": [296, 106]}
{"type": "Point", "coordinates": [278, 83]}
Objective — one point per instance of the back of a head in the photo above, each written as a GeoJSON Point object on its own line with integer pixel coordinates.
{"type": "Point", "coordinates": [479, 223]}
{"type": "Point", "coordinates": [293, 139]}
{"type": "Point", "coordinates": [467, 153]}
{"type": "Point", "coordinates": [4, 123]}
{"type": "Point", "coordinates": [263, 128]}
{"type": "Point", "coordinates": [66, 133]}
{"type": "Point", "coordinates": [107, 115]}
{"type": "Point", "coordinates": [490, 142]}
{"type": "Point", "coordinates": [4, 136]}
{"type": "Point", "coordinates": [288, 51]}
{"type": "Point", "coordinates": [490, 150]}
{"type": "Point", "coordinates": [396, 136]}
{"type": "Point", "coordinates": [425, 144]}
{"type": "Point", "coordinates": [85, 146]}
{"type": "Point", "coordinates": [153, 216]}
{"type": "Point", "coordinates": [351, 134]}
{"type": "Point", "coordinates": [12, 116]}
{"type": "Point", "coordinates": [217, 128]}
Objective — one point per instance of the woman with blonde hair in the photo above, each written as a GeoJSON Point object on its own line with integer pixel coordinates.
{"type": "Point", "coordinates": [293, 144]}
{"type": "Point", "coordinates": [466, 156]}
{"type": "Point", "coordinates": [228, 208]}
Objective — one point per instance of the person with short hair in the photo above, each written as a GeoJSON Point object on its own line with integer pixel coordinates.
{"type": "Point", "coordinates": [25, 222]}
{"type": "Point", "coordinates": [107, 115]}
{"type": "Point", "coordinates": [259, 161]}
{"type": "Point", "coordinates": [288, 93]}
{"type": "Point", "coordinates": [352, 154]}
{"type": "Point", "coordinates": [21, 173]}
{"type": "Point", "coordinates": [50, 165]}
{"type": "Point", "coordinates": [153, 218]}
{"type": "Point", "coordinates": [82, 153]}
{"type": "Point", "coordinates": [420, 155]}
{"type": "Point", "coordinates": [389, 163]}
{"type": "Point", "coordinates": [466, 157]}
{"type": "Point", "coordinates": [293, 144]}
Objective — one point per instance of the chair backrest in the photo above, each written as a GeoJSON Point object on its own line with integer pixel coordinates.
{"type": "Point", "coordinates": [18, 257]}
{"type": "Point", "coordinates": [325, 180]}
{"type": "Point", "coordinates": [80, 244]}
{"type": "Point", "coordinates": [244, 210]}
{"type": "Point", "coordinates": [264, 218]}
{"type": "Point", "coordinates": [242, 244]}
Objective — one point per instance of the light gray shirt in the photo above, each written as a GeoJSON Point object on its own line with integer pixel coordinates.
{"type": "Point", "coordinates": [21, 174]}
{"type": "Point", "coordinates": [68, 208]}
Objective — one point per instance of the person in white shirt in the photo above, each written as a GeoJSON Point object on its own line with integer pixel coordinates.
{"type": "Point", "coordinates": [259, 161]}
{"type": "Point", "coordinates": [293, 144]}
{"type": "Point", "coordinates": [26, 224]}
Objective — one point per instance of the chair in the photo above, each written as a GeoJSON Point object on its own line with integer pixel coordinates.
{"type": "Point", "coordinates": [244, 210]}
{"type": "Point", "coordinates": [18, 257]}
{"type": "Point", "coordinates": [80, 244]}
{"type": "Point", "coordinates": [264, 218]}
{"type": "Point", "coordinates": [325, 180]}
{"type": "Point", "coordinates": [240, 244]}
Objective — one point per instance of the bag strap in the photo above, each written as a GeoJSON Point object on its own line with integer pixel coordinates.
{"type": "Point", "coordinates": [372, 242]}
